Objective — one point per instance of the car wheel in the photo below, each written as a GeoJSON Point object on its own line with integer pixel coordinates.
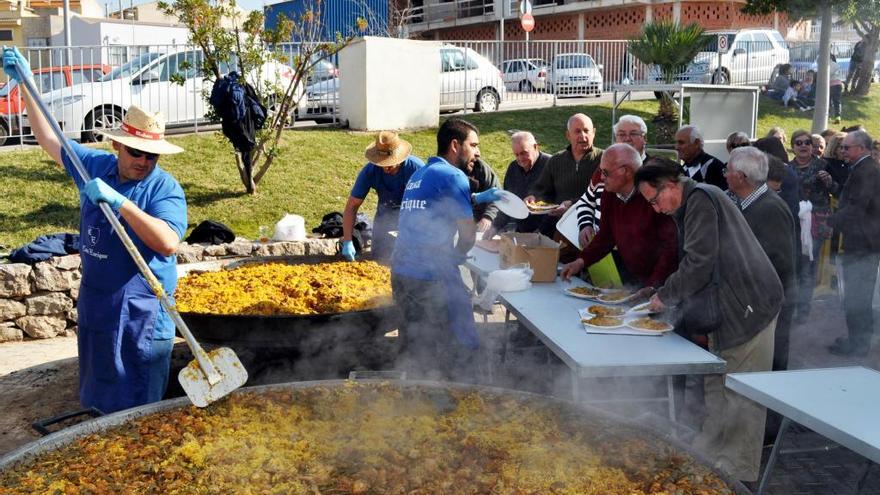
{"type": "Point", "coordinates": [721, 77]}
{"type": "Point", "coordinates": [99, 120]}
{"type": "Point", "coordinates": [526, 86]}
{"type": "Point", "coordinates": [487, 100]}
{"type": "Point", "coordinates": [4, 132]}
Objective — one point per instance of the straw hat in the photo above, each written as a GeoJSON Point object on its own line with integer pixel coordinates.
{"type": "Point", "coordinates": [143, 131]}
{"type": "Point", "coordinates": [388, 150]}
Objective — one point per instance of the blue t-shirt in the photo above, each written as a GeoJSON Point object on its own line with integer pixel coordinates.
{"type": "Point", "coordinates": [159, 195]}
{"type": "Point", "coordinates": [389, 188]}
{"type": "Point", "coordinates": [437, 197]}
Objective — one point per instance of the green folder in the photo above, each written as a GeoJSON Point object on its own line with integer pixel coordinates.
{"type": "Point", "coordinates": [604, 273]}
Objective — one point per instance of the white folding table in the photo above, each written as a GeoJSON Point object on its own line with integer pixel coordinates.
{"type": "Point", "coordinates": [842, 404]}
{"type": "Point", "coordinates": [552, 316]}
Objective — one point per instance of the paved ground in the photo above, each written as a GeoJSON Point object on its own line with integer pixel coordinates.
{"type": "Point", "coordinates": [38, 380]}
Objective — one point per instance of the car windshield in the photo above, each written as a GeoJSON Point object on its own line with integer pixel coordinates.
{"type": "Point", "coordinates": [130, 67]}
{"type": "Point", "coordinates": [537, 63]}
{"type": "Point", "coordinates": [575, 62]}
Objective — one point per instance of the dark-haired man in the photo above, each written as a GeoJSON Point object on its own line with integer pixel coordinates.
{"type": "Point", "coordinates": [438, 335]}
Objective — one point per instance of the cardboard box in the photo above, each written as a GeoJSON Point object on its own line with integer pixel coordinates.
{"type": "Point", "coordinates": [540, 252]}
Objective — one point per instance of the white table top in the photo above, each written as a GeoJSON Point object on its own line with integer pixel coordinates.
{"type": "Point", "coordinates": [552, 316]}
{"type": "Point", "coordinates": [842, 404]}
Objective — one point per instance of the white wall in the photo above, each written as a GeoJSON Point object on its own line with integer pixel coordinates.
{"type": "Point", "coordinates": [390, 83]}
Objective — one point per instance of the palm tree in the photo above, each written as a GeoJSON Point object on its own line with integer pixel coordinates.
{"type": "Point", "coordinates": [670, 47]}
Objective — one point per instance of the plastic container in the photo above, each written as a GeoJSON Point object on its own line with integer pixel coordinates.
{"type": "Point", "coordinates": [290, 228]}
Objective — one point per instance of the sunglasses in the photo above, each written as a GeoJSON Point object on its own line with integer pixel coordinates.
{"type": "Point", "coordinates": [803, 142]}
{"type": "Point", "coordinates": [138, 154]}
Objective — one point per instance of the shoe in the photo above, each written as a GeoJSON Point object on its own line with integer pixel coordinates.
{"type": "Point", "coordinates": [848, 349]}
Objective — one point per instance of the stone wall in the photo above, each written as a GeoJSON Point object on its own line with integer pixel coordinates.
{"type": "Point", "coordinates": [39, 301]}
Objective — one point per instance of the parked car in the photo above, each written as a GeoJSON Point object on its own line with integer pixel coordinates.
{"type": "Point", "coordinates": [805, 57]}
{"type": "Point", "coordinates": [524, 74]}
{"type": "Point", "coordinates": [46, 79]}
{"type": "Point", "coordinates": [466, 78]}
{"type": "Point", "coordinates": [149, 81]}
{"type": "Point", "coordinates": [751, 57]}
{"type": "Point", "coordinates": [574, 74]}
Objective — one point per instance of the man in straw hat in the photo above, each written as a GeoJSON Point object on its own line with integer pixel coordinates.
{"type": "Point", "coordinates": [390, 167]}
{"type": "Point", "coordinates": [124, 337]}
{"type": "Point", "coordinates": [438, 334]}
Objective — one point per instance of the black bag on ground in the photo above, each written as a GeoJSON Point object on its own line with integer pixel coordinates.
{"type": "Point", "coordinates": [701, 312]}
{"type": "Point", "coordinates": [331, 225]}
{"type": "Point", "coordinates": [211, 232]}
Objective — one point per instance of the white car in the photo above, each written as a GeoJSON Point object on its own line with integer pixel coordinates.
{"type": "Point", "coordinates": [750, 59]}
{"type": "Point", "coordinates": [149, 81]}
{"type": "Point", "coordinates": [575, 74]}
{"type": "Point", "coordinates": [524, 74]}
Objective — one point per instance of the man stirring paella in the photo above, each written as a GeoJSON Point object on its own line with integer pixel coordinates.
{"type": "Point", "coordinates": [124, 337]}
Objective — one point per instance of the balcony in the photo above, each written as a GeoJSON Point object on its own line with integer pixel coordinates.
{"type": "Point", "coordinates": [420, 14]}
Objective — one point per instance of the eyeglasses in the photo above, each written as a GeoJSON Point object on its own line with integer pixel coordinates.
{"type": "Point", "coordinates": [653, 201]}
{"type": "Point", "coordinates": [806, 142]}
{"type": "Point", "coordinates": [631, 135]}
{"type": "Point", "coordinates": [138, 154]}
{"type": "Point", "coordinates": [606, 173]}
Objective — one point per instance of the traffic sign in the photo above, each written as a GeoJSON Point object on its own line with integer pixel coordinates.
{"type": "Point", "coordinates": [527, 22]}
{"type": "Point", "coordinates": [723, 44]}
{"type": "Point", "coordinates": [525, 7]}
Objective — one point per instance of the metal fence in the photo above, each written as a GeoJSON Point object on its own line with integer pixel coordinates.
{"type": "Point", "coordinates": [88, 88]}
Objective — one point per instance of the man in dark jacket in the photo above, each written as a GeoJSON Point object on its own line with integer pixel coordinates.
{"type": "Point", "coordinates": [699, 165]}
{"type": "Point", "coordinates": [482, 178]}
{"type": "Point", "coordinates": [858, 219]}
{"type": "Point", "coordinates": [773, 226]}
{"type": "Point", "coordinates": [713, 235]}
{"type": "Point", "coordinates": [521, 175]}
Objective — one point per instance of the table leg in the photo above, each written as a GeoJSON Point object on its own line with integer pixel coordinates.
{"type": "Point", "coordinates": [670, 393]}
{"type": "Point", "coordinates": [773, 455]}
{"type": "Point", "coordinates": [575, 388]}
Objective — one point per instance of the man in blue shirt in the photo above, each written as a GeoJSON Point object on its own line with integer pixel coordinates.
{"type": "Point", "coordinates": [438, 334]}
{"type": "Point", "coordinates": [124, 337]}
{"type": "Point", "coordinates": [390, 167]}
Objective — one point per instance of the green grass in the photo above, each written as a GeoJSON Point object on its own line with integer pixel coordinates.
{"type": "Point", "coordinates": [315, 170]}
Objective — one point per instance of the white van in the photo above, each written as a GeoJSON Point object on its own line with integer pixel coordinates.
{"type": "Point", "coordinates": [751, 56]}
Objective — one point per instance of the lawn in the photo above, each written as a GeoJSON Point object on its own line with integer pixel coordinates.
{"type": "Point", "coordinates": [315, 170]}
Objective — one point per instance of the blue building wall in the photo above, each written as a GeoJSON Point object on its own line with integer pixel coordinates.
{"type": "Point", "coordinates": [338, 16]}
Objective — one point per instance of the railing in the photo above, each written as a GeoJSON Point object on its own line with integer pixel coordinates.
{"type": "Point", "coordinates": [475, 75]}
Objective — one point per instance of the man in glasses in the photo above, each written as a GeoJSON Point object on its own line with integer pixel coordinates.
{"type": "Point", "coordinates": [124, 336]}
{"type": "Point", "coordinates": [858, 219]}
{"type": "Point", "coordinates": [646, 240]}
{"type": "Point", "coordinates": [629, 129]}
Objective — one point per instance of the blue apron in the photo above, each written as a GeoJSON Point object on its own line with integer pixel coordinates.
{"type": "Point", "coordinates": [120, 365]}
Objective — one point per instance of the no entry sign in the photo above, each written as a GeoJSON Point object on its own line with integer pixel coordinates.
{"type": "Point", "coordinates": [527, 22]}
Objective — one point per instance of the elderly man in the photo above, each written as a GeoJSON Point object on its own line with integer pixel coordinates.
{"type": "Point", "coordinates": [124, 335]}
{"type": "Point", "coordinates": [629, 129]}
{"type": "Point", "coordinates": [438, 335]}
{"type": "Point", "coordinates": [521, 175]}
{"type": "Point", "coordinates": [389, 168]}
{"type": "Point", "coordinates": [720, 255]}
{"type": "Point", "coordinates": [773, 226]}
{"type": "Point", "coordinates": [567, 174]}
{"type": "Point", "coordinates": [481, 178]}
{"type": "Point", "coordinates": [645, 239]}
{"type": "Point", "coordinates": [699, 165]}
{"type": "Point", "coordinates": [858, 219]}
{"type": "Point", "coordinates": [737, 140]}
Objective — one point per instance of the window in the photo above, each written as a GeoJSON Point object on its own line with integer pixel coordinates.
{"type": "Point", "coordinates": [761, 42]}
{"type": "Point", "coordinates": [453, 60]}
{"type": "Point", "coordinates": [744, 42]}
{"type": "Point", "coordinates": [515, 66]}
{"type": "Point", "coordinates": [87, 74]}
{"type": "Point", "coordinates": [37, 42]}
{"type": "Point", "coordinates": [49, 81]}
{"type": "Point", "coordinates": [186, 64]}
{"type": "Point", "coordinates": [5, 35]}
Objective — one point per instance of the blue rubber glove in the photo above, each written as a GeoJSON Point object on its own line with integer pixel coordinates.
{"type": "Point", "coordinates": [15, 65]}
{"type": "Point", "coordinates": [98, 190]}
{"type": "Point", "coordinates": [348, 251]}
{"type": "Point", "coordinates": [487, 196]}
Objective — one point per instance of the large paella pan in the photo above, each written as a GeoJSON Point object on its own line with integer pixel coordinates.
{"type": "Point", "coordinates": [344, 437]}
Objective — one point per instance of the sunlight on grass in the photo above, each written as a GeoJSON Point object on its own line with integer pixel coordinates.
{"type": "Point", "coordinates": [316, 168]}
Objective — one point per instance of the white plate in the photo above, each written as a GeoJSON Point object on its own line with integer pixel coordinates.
{"type": "Point", "coordinates": [641, 310]}
{"type": "Point", "coordinates": [620, 301]}
{"type": "Point", "coordinates": [582, 296]}
{"type": "Point", "coordinates": [628, 322]}
{"type": "Point", "coordinates": [621, 315]}
{"type": "Point", "coordinates": [511, 205]}
{"type": "Point", "coordinates": [586, 316]}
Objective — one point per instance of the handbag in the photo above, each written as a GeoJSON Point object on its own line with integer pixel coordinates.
{"type": "Point", "coordinates": [701, 312]}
